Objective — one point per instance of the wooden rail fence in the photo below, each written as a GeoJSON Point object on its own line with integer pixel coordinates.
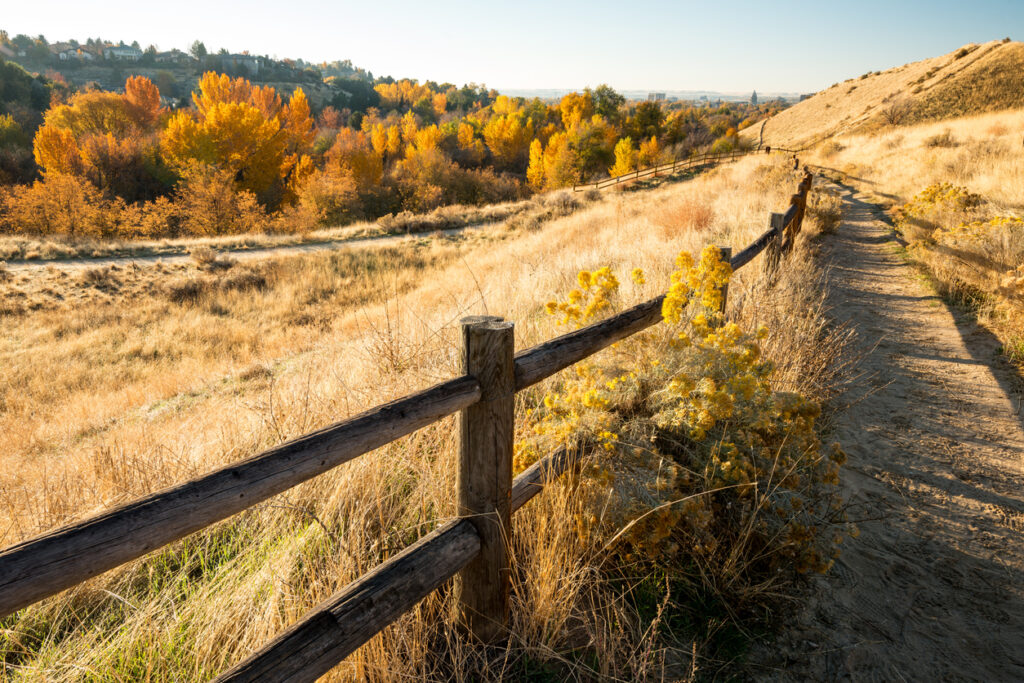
{"type": "Point", "coordinates": [706, 159]}
{"type": "Point", "coordinates": [473, 547]}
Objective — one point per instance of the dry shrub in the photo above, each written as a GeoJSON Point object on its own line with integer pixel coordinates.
{"type": "Point", "coordinates": [191, 290]}
{"type": "Point", "coordinates": [59, 205]}
{"type": "Point", "coordinates": [997, 129]}
{"type": "Point", "coordinates": [893, 141]}
{"type": "Point", "coordinates": [687, 215]}
{"type": "Point", "coordinates": [102, 277]}
{"type": "Point", "coordinates": [564, 202]}
{"type": "Point", "coordinates": [943, 139]}
{"type": "Point", "coordinates": [206, 258]}
{"type": "Point", "coordinates": [831, 148]}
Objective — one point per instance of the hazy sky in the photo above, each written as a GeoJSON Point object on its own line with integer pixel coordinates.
{"type": "Point", "coordinates": [800, 45]}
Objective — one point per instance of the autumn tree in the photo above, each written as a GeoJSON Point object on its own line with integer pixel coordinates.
{"type": "Point", "coordinates": [625, 158]}
{"type": "Point", "coordinates": [575, 108]}
{"type": "Point", "coordinates": [508, 138]}
{"type": "Point", "coordinates": [555, 167]}
{"type": "Point", "coordinates": [246, 131]}
{"type": "Point", "coordinates": [647, 120]}
{"type": "Point", "coordinates": [108, 138]}
{"type": "Point", "coordinates": [649, 153]}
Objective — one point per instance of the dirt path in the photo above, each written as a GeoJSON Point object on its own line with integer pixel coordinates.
{"type": "Point", "coordinates": [236, 254]}
{"type": "Point", "coordinates": [933, 588]}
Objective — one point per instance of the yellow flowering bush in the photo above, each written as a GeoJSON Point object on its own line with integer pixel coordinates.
{"type": "Point", "coordinates": [937, 205]}
{"type": "Point", "coordinates": [695, 460]}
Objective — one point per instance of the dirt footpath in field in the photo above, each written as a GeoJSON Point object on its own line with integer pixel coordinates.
{"type": "Point", "coordinates": [933, 588]}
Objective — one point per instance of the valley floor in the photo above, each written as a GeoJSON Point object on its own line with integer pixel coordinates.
{"type": "Point", "coordinates": [933, 587]}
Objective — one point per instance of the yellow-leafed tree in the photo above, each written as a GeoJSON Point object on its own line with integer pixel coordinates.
{"type": "Point", "coordinates": [508, 137]}
{"type": "Point", "coordinates": [245, 131]}
{"type": "Point", "coordinates": [649, 153]}
{"type": "Point", "coordinates": [625, 158]}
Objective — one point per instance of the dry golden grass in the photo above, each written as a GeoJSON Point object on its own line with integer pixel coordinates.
{"type": "Point", "coordinates": [60, 248]}
{"type": "Point", "coordinates": [140, 380]}
{"type": "Point", "coordinates": [973, 79]}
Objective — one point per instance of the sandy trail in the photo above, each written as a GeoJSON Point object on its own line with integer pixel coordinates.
{"type": "Point", "coordinates": [933, 588]}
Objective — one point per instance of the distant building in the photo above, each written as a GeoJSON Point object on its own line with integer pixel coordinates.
{"type": "Point", "coordinates": [655, 96]}
{"type": "Point", "coordinates": [237, 63]}
{"type": "Point", "coordinates": [123, 52]}
{"type": "Point", "coordinates": [753, 99]}
{"type": "Point", "coordinates": [174, 57]}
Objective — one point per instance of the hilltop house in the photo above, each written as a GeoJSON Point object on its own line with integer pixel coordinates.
{"type": "Point", "coordinates": [239, 63]}
{"type": "Point", "coordinates": [123, 52]}
{"type": "Point", "coordinates": [174, 56]}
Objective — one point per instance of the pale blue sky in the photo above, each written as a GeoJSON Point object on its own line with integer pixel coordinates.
{"type": "Point", "coordinates": [800, 45]}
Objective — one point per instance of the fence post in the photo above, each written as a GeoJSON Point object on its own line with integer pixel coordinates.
{"type": "Point", "coordinates": [771, 263]}
{"type": "Point", "coordinates": [805, 188]}
{"type": "Point", "coordinates": [726, 253]}
{"type": "Point", "coordinates": [790, 233]}
{"type": "Point", "coordinates": [484, 479]}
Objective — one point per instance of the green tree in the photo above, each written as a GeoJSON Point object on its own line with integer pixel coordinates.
{"type": "Point", "coordinates": [607, 103]}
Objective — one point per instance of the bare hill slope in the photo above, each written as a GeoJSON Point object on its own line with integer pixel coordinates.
{"type": "Point", "coordinates": [971, 80]}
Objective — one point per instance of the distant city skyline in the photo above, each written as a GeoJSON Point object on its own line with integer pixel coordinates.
{"type": "Point", "coordinates": [791, 47]}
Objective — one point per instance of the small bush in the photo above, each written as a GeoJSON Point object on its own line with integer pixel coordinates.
{"type": "Point", "coordinates": [943, 139]}
{"type": "Point", "coordinates": [206, 258]}
{"type": "Point", "coordinates": [99, 277]}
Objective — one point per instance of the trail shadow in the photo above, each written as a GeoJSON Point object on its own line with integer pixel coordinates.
{"type": "Point", "coordinates": [982, 345]}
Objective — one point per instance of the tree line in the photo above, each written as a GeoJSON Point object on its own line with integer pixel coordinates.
{"type": "Point", "coordinates": [243, 157]}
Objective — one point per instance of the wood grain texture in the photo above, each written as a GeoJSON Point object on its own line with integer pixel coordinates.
{"type": "Point", "coordinates": [484, 478]}
{"type": "Point", "coordinates": [777, 223]}
{"type": "Point", "coordinates": [48, 564]}
{"type": "Point", "coordinates": [751, 251]}
{"type": "Point", "coordinates": [338, 626]}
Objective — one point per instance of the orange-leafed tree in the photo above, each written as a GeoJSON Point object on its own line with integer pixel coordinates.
{"type": "Point", "coordinates": [575, 109]}
{"type": "Point", "coordinates": [556, 167]}
{"type": "Point", "coordinates": [108, 138]}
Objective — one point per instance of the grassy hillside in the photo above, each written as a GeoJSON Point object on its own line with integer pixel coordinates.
{"type": "Point", "coordinates": [971, 80]}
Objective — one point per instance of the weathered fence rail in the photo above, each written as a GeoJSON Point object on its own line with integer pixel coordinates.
{"type": "Point", "coordinates": [473, 547]}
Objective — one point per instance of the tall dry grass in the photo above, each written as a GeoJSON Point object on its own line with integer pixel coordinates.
{"type": "Point", "coordinates": [117, 396]}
